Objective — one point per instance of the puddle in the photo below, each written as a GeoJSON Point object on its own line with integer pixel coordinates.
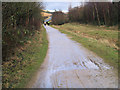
{"type": "Point", "coordinates": [66, 58]}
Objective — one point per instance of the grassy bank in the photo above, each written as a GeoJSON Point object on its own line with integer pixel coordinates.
{"type": "Point", "coordinates": [26, 61]}
{"type": "Point", "coordinates": [101, 40]}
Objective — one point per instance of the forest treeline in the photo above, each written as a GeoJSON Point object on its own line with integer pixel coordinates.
{"type": "Point", "coordinates": [99, 13]}
{"type": "Point", "coordinates": [20, 20]}
{"type": "Point", "coordinates": [96, 13]}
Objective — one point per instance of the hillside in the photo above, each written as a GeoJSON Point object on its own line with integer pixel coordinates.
{"type": "Point", "coordinates": [46, 13]}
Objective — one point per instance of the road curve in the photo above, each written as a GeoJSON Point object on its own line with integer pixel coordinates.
{"type": "Point", "coordinates": [69, 65]}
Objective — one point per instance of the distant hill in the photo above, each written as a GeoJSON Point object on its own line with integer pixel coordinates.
{"type": "Point", "coordinates": [46, 13]}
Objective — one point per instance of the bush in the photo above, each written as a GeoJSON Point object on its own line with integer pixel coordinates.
{"type": "Point", "coordinates": [20, 19]}
{"type": "Point", "coordinates": [59, 18]}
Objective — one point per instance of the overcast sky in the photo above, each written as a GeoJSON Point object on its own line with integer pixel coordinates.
{"type": "Point", "coordinates": [63, 5]}
{"type": "Point", "coordinates": [51, 6]}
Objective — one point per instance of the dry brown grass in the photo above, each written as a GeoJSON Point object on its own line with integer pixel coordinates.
{"type": "Point", "coordinates": [46, 14]}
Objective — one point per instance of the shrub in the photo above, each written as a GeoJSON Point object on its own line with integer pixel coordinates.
{"type": "Point", "coordinates": [58, 18]}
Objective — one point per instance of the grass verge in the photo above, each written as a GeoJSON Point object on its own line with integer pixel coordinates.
{"type": "Point", "coordinates": [100, 40]}
{"type": "Point", "coordinates": [26, 61]}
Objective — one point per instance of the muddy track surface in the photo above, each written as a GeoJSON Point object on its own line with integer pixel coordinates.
{"type": "Point", "coordinates": [69, 65]}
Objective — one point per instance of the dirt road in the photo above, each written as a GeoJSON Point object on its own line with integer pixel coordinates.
{"type": "Point", "coordinates": [69, 65]}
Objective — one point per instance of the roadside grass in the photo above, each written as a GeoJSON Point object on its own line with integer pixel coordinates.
{"type": "Point", "coordinates": [102, 41]}
{"type": "Point", "coordinates": [90, 30]}
{"type": "Point", "coordinates": [26, 61]}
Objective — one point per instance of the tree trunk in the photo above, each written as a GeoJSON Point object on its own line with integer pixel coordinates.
{"type": "Point", "coordinates": [97, 14]}
{"type": "Point", "coordinates": [93, 15]}
{"type": "Point", "coordinates": [104, 17]}
{"type": "Point", "coordinates": [27, 20]}
{"type": "Point", "coordinates": [108, 14]}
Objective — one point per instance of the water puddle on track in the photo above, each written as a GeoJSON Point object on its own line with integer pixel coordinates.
{"type": "Point", "coordinates": [70, 65]}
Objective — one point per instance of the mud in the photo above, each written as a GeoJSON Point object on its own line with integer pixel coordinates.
{"type": "Point", "coordinates": [69, 65]}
